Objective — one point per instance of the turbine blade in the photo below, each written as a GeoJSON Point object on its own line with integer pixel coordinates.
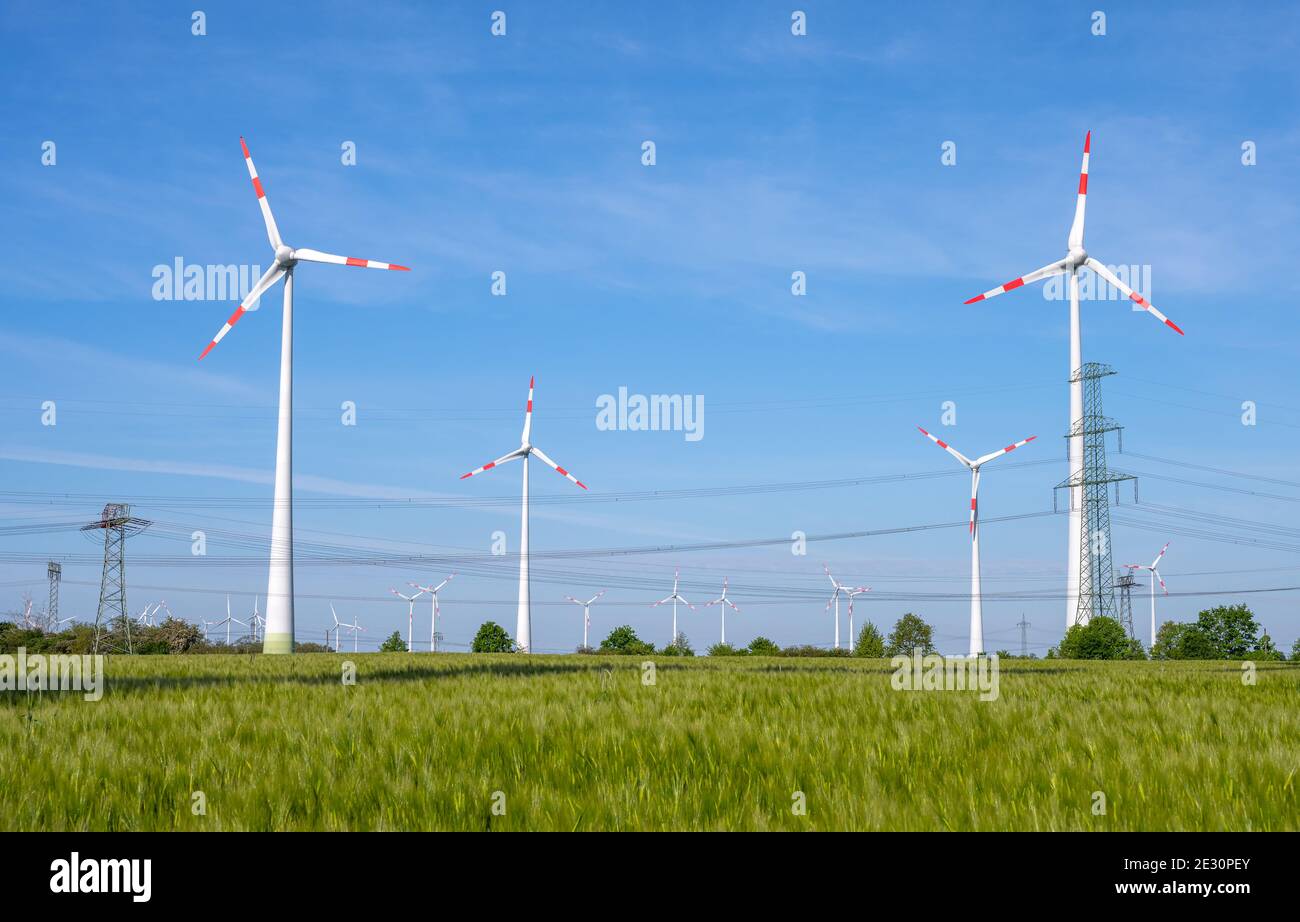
{"type": "Point", "coordinates": [1055, 268]}
{"type": "Point", "coordinates": [1081, 206]}
{"type": "Point", "coordinates": [1002, 451]}
{"type": "Point", "coordinates": [269, 278]}
{"type": "Point", "coordinates": [517, 453]}
{"type": "Point", "coordinates": [528, 414]}
{"type": "Point", "coordinates": [1161, 554]}
{"type": "Point", "coordinates": [272, 232]}
{"type": "Point", "coordinates": [946, 447]}
{"type": "Point", "coordinates": [545, 460]}
{"type": "Point", "coordinates": [1100, 268]}
{"type": "Point", "coordinates": [316, 256]}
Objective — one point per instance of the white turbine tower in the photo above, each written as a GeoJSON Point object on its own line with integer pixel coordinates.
{"type": "Point", "coordinates": [1155, 575]}
{"type": "Point", "coordinates": [279, 591]}
{"type": "Point", "coordinates": [586, 613]}
{"type": "Point", "coordinates": [1076, 258]}
{"type": "Point", "coordinates": [976, 606]}
{"type": "Point", "coordinates": [724, 602]}
{"type": "Point", "coordinates": [852, 594]}
{"type": "Point", "coordinates": [410, 617]}
{"type": "Point", "coordinates": [674, 598]}
{"type": "Point", "coordinates": [523, 622]}
{"type": "Point", "coordinates": [434, 609]}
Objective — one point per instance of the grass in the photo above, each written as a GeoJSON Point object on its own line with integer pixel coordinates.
{"type": "Point", "coordinates": [578, 742]}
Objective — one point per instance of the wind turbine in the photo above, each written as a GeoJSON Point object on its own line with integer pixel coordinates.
{"type": "Point", "coordinates": [257, 622]}
{"type": "Point", "coordinates": [229, 620]}
{"type": "Point", "coordinates": [852, 594]}
{"type": "Point", "coordinates": [410, 616]}
{"type": "Point", "coordinates": [336, 627]}
{"type": "Point", "coordinates": [434, 612]}
{"type": "Point", "coordinates": [355, 629]}
{"type": "Point", "coordinates": [724, 602]}
{"type": "Point", "coordinates": [523, 622]}
{"type": "Point", "coordinates": [1076, 258]}
{"type": "Point", "coordinates": [586, 613]}
{"type": "Point", "coordinates": [1155, 575]}
{"type": "Point", "coordinates": [675, 598]}
{"type": "Point", "coordinates": [835, 600]}
{"type": "Point", "coordinates": [976, 607]}
{"type": "Point", "coordinates": [279, 593]}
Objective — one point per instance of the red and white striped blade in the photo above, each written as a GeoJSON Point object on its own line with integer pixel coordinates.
{"type": "Point", "coordinates": [559, 470]}
{"type": "Point", "coordinates": [1055, 268]}
{"type": "Point", "coordinates": [1161, 554]}
{"type": "Point", "coordinates": [946, 447]}
{"type": "Point", "coordinates": [272, 232]}
{"type": "Point", "coordinates": [269, 278]}
{"type": "Point", "coordinates": [1100, 268]}
{"type": "Point", "coordinates": [1002, 451]}
{"type": "Point", "coordinates": [316, 256]}
{"type": "Point", "coordinates": [528, 413]}
{"type": "Point", "coordinates": [517, 453]}
{"type": "Point", "coordinates": [1162, 581]}
{"type": "Point", "coordinates": [1081, 205]}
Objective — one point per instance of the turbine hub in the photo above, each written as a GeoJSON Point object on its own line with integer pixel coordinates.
{"type": "Point", "coordinates": [1076, 257]}
{"type": "Point", "coordinates": [284, 255]}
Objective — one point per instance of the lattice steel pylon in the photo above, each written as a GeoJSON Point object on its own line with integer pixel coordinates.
{"type": "Point", "coordinates": [55, 572]}
{"type": "Point", "coordinates": [1096, 575]}
{"type": "Point", "coordinates": [112, 624]}
{"type": "Point", "coordinates": [1125, 584]}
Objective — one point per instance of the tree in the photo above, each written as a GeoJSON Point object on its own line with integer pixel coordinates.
{"type": "Point", "coordinates": [761, 646]}
{"type": "Point", "coordinates": [679, 647]}
{"type": "Point", "coordinates": [394, 643]}
{"type": "Point", "coordinates": [622, 641]}
{"type": "Point", "coordinates": [1100, 638]}
{"type": "Point", "coordinates": [1295, 650]}
{"type": "Point", "coordinates": [1232, 630]}
{"type": "Point", "coordinates": [724, 649]}
{"type": "Point", "coordinates": [491, 638]}
{"type": "Point", "coordinates": [870, 643]}
{"type": "Point", "coordinates": [910, 633]}
{"type": "Point", "coordinates": [1267, 650]}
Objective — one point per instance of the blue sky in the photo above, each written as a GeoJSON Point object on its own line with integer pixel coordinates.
{"type": "Point", "coordinates": [522, 153]}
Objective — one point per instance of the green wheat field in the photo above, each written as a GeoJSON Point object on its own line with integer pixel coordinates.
{"type": "Point", "coordinates": [581, 743]}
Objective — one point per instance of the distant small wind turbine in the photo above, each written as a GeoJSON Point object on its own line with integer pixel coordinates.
{"type": "Point", "coordinates": [410, 617]}
{"type": "Point", "coordinates": [835, 600]}
{"type": "Point", "coordinates": [852, 594]}
{"type": "Point", "coordinates": [586, 613]}
{"type": "Point", "coordinates": [434, 609]}
{"type": "Point", "coordinates": [1155, 575]}
{"type": "Point", "coordinates": [724, 602]}
{"type": "Point", "coordinates": [228, 621]}
{"type": "Point", "coordinates": [674, 598]}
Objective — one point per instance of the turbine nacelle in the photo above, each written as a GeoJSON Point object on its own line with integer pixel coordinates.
{"type": "Point", "coordinates": [284, 256]}
{"type": "Point", "coordinates": [1077, 257]}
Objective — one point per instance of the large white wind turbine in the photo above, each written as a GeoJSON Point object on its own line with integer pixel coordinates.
{"type": "Point", "coordinates": [586, 613]}
{"type": "Point", "coordinates": [523, 622]}
{"type": "Point", "coordinates": [410, 617]}
{"type": "Point", "coordinates": [1076, 258]}
{"type": "Point", "coordinates": [434, 609]}
{"type": "Point", "coordinates": [724, 602]}
{"type": "Point", "coordinates": [228, 621]}
{"type": "Point", "coordinates": [278, 637]}
{"type": "Point", "coordinates": [976, 608]}
{"type": "Point", "coordinates": [1155, 575]}
{"type": "Point", "coordinates": [674, 598]}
